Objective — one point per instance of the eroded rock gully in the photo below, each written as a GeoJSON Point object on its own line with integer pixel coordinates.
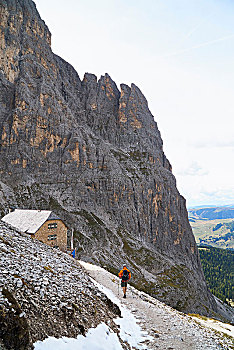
{"type": "Point", "coordinates": [93, 155]}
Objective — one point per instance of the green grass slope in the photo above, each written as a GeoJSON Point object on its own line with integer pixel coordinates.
{"type": "Point", "coordinates": [213, 226]}
{"type": "Point", "coordinates": [217, 233]}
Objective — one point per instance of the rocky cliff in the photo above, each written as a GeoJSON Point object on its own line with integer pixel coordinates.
{"type": "Point", "coordinates": [94, 155]}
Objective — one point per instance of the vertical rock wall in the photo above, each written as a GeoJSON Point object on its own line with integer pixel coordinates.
{"type": "Point", "coordinates": [94, 155]}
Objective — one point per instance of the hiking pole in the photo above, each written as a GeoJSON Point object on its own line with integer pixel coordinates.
{"type": "Point", "coordinates": [130, 287]}
{"type": "Point", "coordinates": [118, 288]}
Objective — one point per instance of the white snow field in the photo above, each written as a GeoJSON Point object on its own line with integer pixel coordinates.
{"type": "Point", "coordinates": [99, 338]}
{"type": "Point", "coordinates": [145, 324]}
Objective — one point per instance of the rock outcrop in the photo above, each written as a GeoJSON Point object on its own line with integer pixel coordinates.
{"type": "Point", "coordinates": [94, 155]}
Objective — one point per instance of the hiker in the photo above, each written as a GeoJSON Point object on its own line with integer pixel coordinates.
{"type": "Point", "coordinates": [125, 275]}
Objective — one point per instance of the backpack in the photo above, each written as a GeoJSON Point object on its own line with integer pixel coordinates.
{"type": "Point", "coordinates": [125, 276]}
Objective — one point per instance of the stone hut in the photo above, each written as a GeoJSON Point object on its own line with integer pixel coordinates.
{"type": "Point", "coordinates": [40, 224]}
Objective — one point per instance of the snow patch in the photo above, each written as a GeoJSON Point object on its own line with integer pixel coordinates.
{"type": "Point", "coordinates": [173, 329]}
{"type": "Point", "coordinates": [99, 338]}
{"type": "Point", "coordinates": [102, 337]}
{"type": "Point", "coordinates": [91, 267]}
{"type": "Point", "coordinates": [130, 331]}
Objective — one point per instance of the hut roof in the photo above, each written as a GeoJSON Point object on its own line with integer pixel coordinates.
{"type": "Point", "coordinates": [28, 221]}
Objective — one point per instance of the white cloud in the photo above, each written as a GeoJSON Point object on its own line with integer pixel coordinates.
{"type": "Point", "coordinates": [207, 43]}
{"type": "Point", "coordinates": [194, 169]}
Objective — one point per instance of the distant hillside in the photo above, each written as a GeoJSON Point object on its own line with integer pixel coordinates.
{"type": "Point", "coordinates": [217, 233]}
{"type": "Point", "coordinates": [211, 213]}
{"type": "Point", "coordinates": [213, 226]}
{"type": "Point", "coordinates": [218, 267]}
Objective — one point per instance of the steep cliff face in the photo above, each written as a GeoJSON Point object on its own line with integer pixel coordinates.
{"type": "Point", "coordinates": [94, 155]}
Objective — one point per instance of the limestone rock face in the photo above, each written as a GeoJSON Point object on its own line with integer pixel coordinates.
{"type": "Point", "coordinates": [94, 155]}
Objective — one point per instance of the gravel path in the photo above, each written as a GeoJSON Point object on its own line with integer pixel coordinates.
{"type": "Point", "coordinates": [168, 328]}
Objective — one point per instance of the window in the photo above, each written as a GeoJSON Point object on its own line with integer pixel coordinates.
{"type": "Point", "coordinates": [52, 237]}
{"type": "Point", "coordinates": [53, 225]}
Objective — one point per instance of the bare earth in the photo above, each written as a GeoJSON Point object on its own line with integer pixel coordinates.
{"type": "Point", "coordinates": [168, 328]}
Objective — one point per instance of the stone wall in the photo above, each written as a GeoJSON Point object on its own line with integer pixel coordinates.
{"type": "Point", "coordinates": [44, 234]}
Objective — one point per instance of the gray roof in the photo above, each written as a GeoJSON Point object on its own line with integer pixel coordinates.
{"type": "Point", "coordinates": [53, 217]}
{"type": "Point", "coordinates": [28, 220]}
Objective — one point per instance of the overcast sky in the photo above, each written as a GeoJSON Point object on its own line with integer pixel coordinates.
{"type": "Point", "coordinates": [180, 54]}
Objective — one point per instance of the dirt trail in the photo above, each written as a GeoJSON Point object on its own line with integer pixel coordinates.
{"type": "Point", "coordinates": [168, 328]}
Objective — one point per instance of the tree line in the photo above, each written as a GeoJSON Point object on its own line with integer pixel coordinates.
{"type": "Point", "coordinates": [218, 267]}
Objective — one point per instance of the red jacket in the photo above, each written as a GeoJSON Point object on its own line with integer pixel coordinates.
{"type": "Point", "coordinates": [121, 273]}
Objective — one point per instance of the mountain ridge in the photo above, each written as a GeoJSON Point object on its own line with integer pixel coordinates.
{"type": "Point", "coordinates": [93, 155]}
{"type": "Point", "coordinates": [212, 213]}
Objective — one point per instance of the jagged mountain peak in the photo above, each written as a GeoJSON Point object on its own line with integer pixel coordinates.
{"type": "Point", "coordinates": [93, 155]}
